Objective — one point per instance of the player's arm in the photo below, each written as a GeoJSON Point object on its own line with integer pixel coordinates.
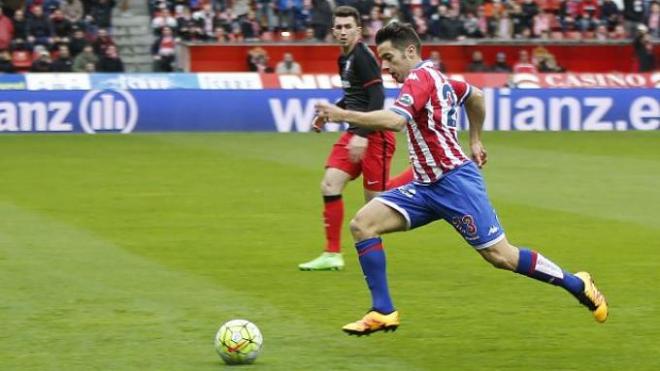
{"type": "Point", "coordinates": [475, 109]}
{"type": "Point", "coordinates": [374, 120]}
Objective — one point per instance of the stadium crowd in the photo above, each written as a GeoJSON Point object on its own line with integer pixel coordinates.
{"type": "Point", "coordinates": [57, 35]}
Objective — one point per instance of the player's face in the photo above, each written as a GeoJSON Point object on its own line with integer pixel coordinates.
{"type": "Point", "coordinates": [346, 31]}
{"type": "Point", "coordinates": [397, 62]}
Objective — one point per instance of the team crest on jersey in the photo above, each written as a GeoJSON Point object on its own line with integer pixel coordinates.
{"type": "Point", "coordinates": [413, 76]}
{"type": "Point", "coordinates": [406, 100]}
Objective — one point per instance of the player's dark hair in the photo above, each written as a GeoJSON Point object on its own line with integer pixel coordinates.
{"type": "Point", "coordinates": [347, 11]}
{"type": "Point", "coordinates": [400, 35]}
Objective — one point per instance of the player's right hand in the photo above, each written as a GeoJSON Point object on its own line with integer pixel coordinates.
{"type": "Point", "coordinates": [317, 123]}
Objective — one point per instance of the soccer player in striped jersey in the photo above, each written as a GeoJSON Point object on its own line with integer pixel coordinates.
{"type": "Point", "coordinates": [448, 184]}
{"type": "Point", "coordinates": [359, 150]}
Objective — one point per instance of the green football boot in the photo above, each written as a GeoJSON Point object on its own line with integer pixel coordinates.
{"type": "Point", "coordinates": [328, 261]}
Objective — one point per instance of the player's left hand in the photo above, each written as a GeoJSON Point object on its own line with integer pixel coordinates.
{"type": "Point", "coordinates": [329, 112]}
{"type": "Point", "coordinates": [479, 154]}
{"type": "Point", "coordinates": [357, 146]}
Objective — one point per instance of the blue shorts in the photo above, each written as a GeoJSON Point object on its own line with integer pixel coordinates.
{"type": "Point", "coordinates": [459, 197]}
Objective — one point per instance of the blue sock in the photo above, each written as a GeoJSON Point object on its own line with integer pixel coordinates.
{"type": "Point", "coordinates": [535, 265]}
{"type": "Point", "coordinates": [372, 260]}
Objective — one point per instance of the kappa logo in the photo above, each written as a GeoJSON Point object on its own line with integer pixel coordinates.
{"type": "Point", "coordinates": [493, 229]}
{"type": "Point", "coordinates": [108, 111]}
{"type": "Point", "coordinates": [406, 100]}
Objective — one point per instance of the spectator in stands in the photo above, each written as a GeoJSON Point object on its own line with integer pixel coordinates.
{"type": "Point", "coordinates": [470, 6]}
{"type": "Point", "coordinates": [206, 21]}
{"type": "Point", "coordinates": [504, 26]}
{"type": "Point", "coordinates": [290, 14]}
{"type": "Point", "coordinates": [437, 60]}
{"type": "Point", "coordinates": [110, 62]}
{"type": "Point", "coordinates": [20, 26]}
{"type": "Point", "coordinates": [87, 56]}
{"type": "Point", "coordinates": [610, 14]}
{"type": "Point", "coordinates": [250, 28]}
{"type": "Point", "coordinates": [163, 51]}
{"type": "Point", "coordinates": [258, 60]}
{"type": "Point", "coordinates": [77, 42]}
{"type": "Point", "coordinates": [61, 26]}
{"type": "Point", "coordinates": [588, 13]}
{"type": "Point", "coordinates": [321, 19]}
{"type": "Point", "coordinates": [6, 31]}
{"type": "Point", "coordinates": [101, 10]}
{"type": "Point", "coordinates": [529, 9]}
{"type": "Point", "coordinates": [288, 66]}
{"type": "Point", "coordinates": [38, 27]}
{"type": "Point", "coordinates": [63, 62]}
{"type": "Point", "coordinates": [187, 28]}
{"type": "Point", "coordinates": [548, 64]}
{"type": "Point", "coordinates": [644, 50]}
{"type": "Point", "coordinates": [471, 26]}
{"type": "Point", "coordinates": [163, 19]}
{"type": "Point", "coordinates": [477, 64]}
{"type": "Point", "coordinates": [500, 65]}
{"type": "Point", "coordinates": [524, 65]}
{"type": "Point", "coordinates": [42, 63]}
{"type": "Point", "coordinates": [72, 10]}
{"type": "Point", "coordinates": [653, 22]}
{"type": "Point", "coordinates": [89, 68]}
{"type": "Point", "coordinates": [266, 13]}
{"type": "Point", "coordinates": [420, 23]}
{"type": "Point", "coordinates": [633, 15]}
{"type": "Point", "coordinates": [542, 22]}
{"type": "Point", "coordinates": [102, 42]}
{"type": "Point", "coordinates": [601, 33]}
{"type": "Point", "coordinates": [5, 62]}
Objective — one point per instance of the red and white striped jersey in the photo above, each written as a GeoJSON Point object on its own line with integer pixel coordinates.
{"type": "Point", "coordinates": [430, 101]}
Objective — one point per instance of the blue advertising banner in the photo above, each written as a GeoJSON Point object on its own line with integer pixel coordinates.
{"type": "Point", "coordinates": [125, 111]}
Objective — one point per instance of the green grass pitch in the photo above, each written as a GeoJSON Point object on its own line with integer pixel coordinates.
{"type": "Point", "coordinates": [128, 252]}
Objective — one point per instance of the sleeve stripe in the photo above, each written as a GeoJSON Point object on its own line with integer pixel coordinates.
{"type": "Point", "coordinates": [369, 83]}
{"type": "Point", "coordinates": [467, 93]}
{"type": "Point", "coordinates": [402, 112]}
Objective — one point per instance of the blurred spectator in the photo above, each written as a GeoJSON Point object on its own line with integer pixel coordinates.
{"type": "Point", "coordinates": [288, 66]}
{"type": "Point", "coordinates": [654, 20]}
{"type": "Point", "coordinates": [500, 66]}
{"type": "Point", "coordinates": [542, 22]}
{"type": "Point", "coordinates": [87, 56]}
{"type": "Point", "coordinates": [101, 11]}
{"type": "Point", "coordinates": [601, 33]}
{"type": "Point", "coordinates": [77, 42]}
{"type": "Point", "coordinates": [249, 26]}
{"type": "Point", "coordinates": [258, 60]}
{"type": "Point", "coordinates": [6, 31]}
{"type": "Point", "coordinates": [524, 65]}
{"type": "Point", "coordinates": [610, 14]}
{"type": "Point", "coordinates": [110, 61]}
{"type": "Point", "coordinates": [266, 14]}
{"type": "Point", "coordinates": [504, 26]}
{"type": "Point", "coordinates": [477, 63]}
{"type": "Point", "coordinates": [72, 10]}
{"type": "Point", "coordinates": [644, 50]}
{"type": "Point", "coordinates": [633, 15]}
{"type": "Point", "coordinates": [548, 64]}
{"type": "Point", "coordinates": [471, 26]}
{"type": "Point", "coordinates": [5, 62]}
{"type": "Point", "coordinates": [528, 10]}
{"type": "Point", "coordinates": [618, 33]}
{"type": "Point", "coordinates": [290, 14]}
{"type": "Point", "coordinates": [42, 63]}
{"type": "Point", "coordinates": [20, 25]}
{"type": "Point", "coordinates": [89, 68]}
{"type": "Point", "coordinates": [321, 18]}
{"type": "Point", "coordinates": [163, 19]}
{"type": "Point", "coordinates": [187, 28]}
{"type": "Point", "coordinates": [62, 27]}
{"type": "Point", "coordinates": [420, 23]}
{"type": "Point", "coordinates": [102, 42]}
{"type": "Point", "coordinates": [163, 51]}
{"type": "Point", "coordinates": [63, 63]}
{"type": "Point", "coordinates": [38, 27]}
{"type": "Point", "coordinates": [437, 61]}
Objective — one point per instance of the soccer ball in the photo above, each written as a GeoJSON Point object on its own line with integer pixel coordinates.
{"type": "Point", "coordinates": [238, 342]}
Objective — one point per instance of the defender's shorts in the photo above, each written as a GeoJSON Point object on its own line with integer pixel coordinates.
{"type": "Point", "coordinates": [459, 197]}
{"type": "Point", "coordinates": [375, 165]}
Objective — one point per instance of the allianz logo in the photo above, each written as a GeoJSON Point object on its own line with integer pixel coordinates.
{"type": "Point", "coordinates": [99, 111]}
